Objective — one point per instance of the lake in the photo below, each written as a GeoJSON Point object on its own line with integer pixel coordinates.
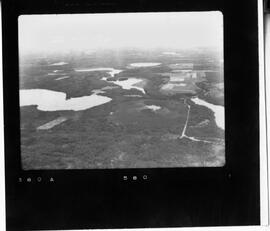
{"type": "Point", "coordinates": [217, 109]}
{"type": "Point", "coordinates": [111, 71]}
{"type": "Point", "coordinates": [47, 100]}
{"type": "Point", "coordinates": [129, 84]}
{"type": "Point", "coordinates": [125, 84]}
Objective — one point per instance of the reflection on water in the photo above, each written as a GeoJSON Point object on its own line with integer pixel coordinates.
{"type": "Point", "coordinates": [47, 100]}
{"type": "Point", "coordinates": [218, 111]}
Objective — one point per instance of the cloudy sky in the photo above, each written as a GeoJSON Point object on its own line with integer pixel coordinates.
{"type": "Point", "coordinates": [47, 33]}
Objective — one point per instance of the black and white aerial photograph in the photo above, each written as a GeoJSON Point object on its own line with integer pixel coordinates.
{"type": "Point", "coordinates": [121, 90]}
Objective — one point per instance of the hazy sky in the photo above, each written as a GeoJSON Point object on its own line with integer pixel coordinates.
{"type": "Point", "coordinates": [39, 33]}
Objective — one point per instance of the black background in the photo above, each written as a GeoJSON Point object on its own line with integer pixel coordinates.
{"type": "Point", "coordinates": [173, 197]}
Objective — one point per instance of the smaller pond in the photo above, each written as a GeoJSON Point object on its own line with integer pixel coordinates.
{"type": "Point", "coordinates": [64, 77]}
{"type": "Point", "coordinates": [152, 107]}
{"type": "Point", "coordinates": [58, 64]}
{"type": "Point", "coordinates": [56, 74]}
{"type": "Point", "coordinates": [52, 123]}
{"type": "Point", "coordinates": [144, 64]}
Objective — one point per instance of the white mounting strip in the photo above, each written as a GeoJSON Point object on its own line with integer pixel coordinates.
{"type": "Point", "coordinates": [264, 76]}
